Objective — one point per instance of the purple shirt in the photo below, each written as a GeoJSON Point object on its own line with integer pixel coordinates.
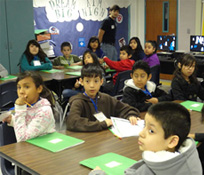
{"type": "Point", "coordinates": [152, 60]}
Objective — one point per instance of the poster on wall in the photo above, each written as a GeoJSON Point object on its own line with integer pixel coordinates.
{"type": "Point", "coordinates": [72, 20]}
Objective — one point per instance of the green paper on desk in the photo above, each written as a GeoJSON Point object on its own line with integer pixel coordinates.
{"type": "Point", "coordinates": [111, 163]}
{"type": "Point", "coordinates": [74, 67]}
{"type": "Point", "coordinates": [9, 77]}
{"type": "Point", "coordinates": [55, 142]}
{"type": "Point", "coordinates": [52, 71]}
{"type": "Point", "coordinates": [192, 105]}
{"type": "Point", "coordinates": [74, 73]}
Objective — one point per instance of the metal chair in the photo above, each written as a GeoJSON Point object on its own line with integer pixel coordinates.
{"type": "Point", "coordinates": [7, 136]}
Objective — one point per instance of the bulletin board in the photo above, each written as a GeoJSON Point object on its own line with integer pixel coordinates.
{"type": "Point", "coordinates": [78, 20]}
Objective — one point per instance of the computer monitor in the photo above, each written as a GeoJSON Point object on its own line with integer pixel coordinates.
{"type": "Point", "coordinates": [196, 43]}
{"type": "Point", "coordinates": [166, 43]}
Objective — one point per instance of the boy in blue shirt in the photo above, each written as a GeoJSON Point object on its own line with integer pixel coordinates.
{"type": "Point", "coordinates": [138, 91]}
{"type": "Point", "coordinates": [166, 148]}
{"type": "Point", "coordinates": [91, 110]}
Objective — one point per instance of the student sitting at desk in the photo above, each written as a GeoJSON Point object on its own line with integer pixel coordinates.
{"type": "Point", "coordinates": [34, 58]}
{"type": "Point", "coordinates": [185, 85]}
{"type": "Point", "coordinates": [124, 64]}
{"type": "Point", "coordinates": [33, 114]}
{"type": "Point", "coordinates": [67, 59]}
{"type": "Point", "coordinates": [166, 148]}
{"type": "Point", "coordinates": [94, 46]}
{"type": "Point", "coordinates": [138, 52]}
{"type": "Point", "coordinates": [150, 51]}
{"type": "Point", "coordinates": [138, 89]}
{"type": "Point", "coordinates": [3, 71]}
{"type": "Point", "coordinates": [88, 57]}
{"type": "Point", "coordinates": [91, 111]}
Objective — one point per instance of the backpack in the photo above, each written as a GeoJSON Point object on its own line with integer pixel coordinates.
{"type": "Point", "coordinates": [57, 108]}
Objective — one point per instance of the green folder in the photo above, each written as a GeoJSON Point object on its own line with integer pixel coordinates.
{"type": "Point", "coordinates": [74, 67]}
{"type": "Point", "coordinates": [52, 71]}
{"type": "Point", "coordinates": [9, 77]}
{"type": "Point", "coordinates": [74, 73]}
{"type": "Point", "coordinates": [192, 105]}
{"type": "Point", "coordinates": [111, 163]}
{"type": "Point", "coordinates": [110, 70]}
{"type": "Point", "coordinates": [55, 142]}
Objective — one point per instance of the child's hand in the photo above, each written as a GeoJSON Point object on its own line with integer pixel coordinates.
{"type": "Point", "coordinates": [152, 100]}
{"type": "Point", "coordinates": [133, 120]}
{"type": "Point", "coordinates": [108, 122]}
{"type": "Point", "coordinates": [7, 119]}
{"type": "Point", "coordinates": [106, 66]}
{"type": "Point", "coordinates": [97, 168]}
{"type": "Point", "coordinates": [101, 60]}
{"type": "Point", "coordinates": [21, 100]}
{"type": "Point", "coordinates": [77, 84]}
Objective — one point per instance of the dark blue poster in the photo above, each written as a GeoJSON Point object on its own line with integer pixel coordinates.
{"type": "Point", "coordinates": [76, 21]}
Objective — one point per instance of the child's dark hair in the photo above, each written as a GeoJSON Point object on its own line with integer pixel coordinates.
{"type": "Point", "coordinates": [186, 60]}
{"type": "Point", "coordinates": [93, 55]}
{"type": "Point", "coordinates": [93, 39]}
{"type": "Point", "coordinates": [115, 7]}
{"type": "Point", "coordinates": [127, 49]}
{"type": "Point", "coordinates": [154, 44]}
{"type": "Point", "coordinates": [174, 119]}
{"type": "Point", "coordinates": [66, 44]}
{"type": "Point", "coordinates": [141, 65]}
{"type": "Point", "coordinates": [37, 79]}
{"type": "Point", "coordinates": [139, 46]}
{"type": "Point", "coordinates": [40, 54]}
{"type": "Point", "coordinates": [91, 70]}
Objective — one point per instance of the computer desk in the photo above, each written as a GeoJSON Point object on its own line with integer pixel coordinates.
{"type": "Point", "coordinates": [36, 160]}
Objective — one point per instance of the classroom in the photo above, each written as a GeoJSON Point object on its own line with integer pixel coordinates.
{"type": "Point", "coordinates": [81, 83]}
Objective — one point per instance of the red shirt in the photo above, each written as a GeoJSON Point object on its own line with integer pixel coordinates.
{"type": "Point", "coordinates": [119, 66]}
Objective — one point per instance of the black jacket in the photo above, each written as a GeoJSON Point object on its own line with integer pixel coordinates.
{"type": "Point", "coordinates": [182, 90]}
{"type": "Point", "coordinates": [135, 97]}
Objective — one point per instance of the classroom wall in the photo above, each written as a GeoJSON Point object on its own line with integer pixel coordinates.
{"type": "Point", "coordinates": [137, 20]}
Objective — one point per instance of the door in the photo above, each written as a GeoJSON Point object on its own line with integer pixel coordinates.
{"type": "Point", "coordinates": [3, 37]}
{"type": "Point", "coordinates": [161, 18]}
{"type": "Point", "coordinates": [20, 24]}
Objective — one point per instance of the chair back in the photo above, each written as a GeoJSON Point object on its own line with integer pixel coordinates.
{"type": "Point", "coordinates": [8, 94]}
{"type": "Point", "coordinates": [7, 136]}
{"type": "Point", "coordinates": [122, 76]}
{"type": "Point", "coordinates": [155, 71]}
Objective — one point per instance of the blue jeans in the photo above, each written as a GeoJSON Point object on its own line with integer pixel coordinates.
{"type": "Point", "coordinates": [110, 51]}
{"type": "Point", "coordinates": [67, 93]}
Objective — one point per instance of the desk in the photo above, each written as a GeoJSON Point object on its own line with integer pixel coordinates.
{"type": "Point", "coordinates": [39, 161]}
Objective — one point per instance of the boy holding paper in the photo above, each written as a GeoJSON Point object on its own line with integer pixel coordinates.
{"type": "Point", "coordinates": [165, 145]}
{"type": "Point", "coordinates": [91, 111]}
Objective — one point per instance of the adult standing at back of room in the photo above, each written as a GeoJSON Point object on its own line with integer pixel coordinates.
{"type": "Point", "coordinates": [107, 33]}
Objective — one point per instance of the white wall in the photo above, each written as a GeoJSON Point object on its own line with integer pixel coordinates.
{"type": "Point", "coordinates": [137, 19]}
